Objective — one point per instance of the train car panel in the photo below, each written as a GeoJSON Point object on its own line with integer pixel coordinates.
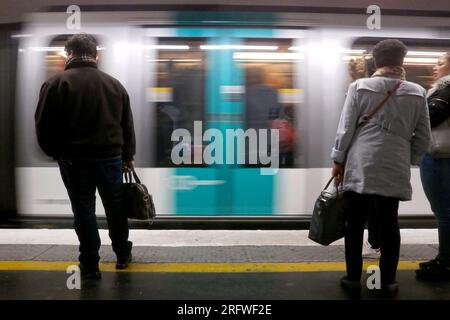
{"type": "Point", "coordinates": [182, 67]}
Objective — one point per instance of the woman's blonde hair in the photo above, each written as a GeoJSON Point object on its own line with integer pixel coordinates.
{"type": "Point", "coordinates": [447, 56]}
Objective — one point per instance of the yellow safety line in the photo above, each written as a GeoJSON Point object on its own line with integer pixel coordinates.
{"type": "Point", "coordinates": [198, 267]}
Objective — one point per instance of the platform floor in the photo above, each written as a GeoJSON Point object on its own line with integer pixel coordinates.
{"type": "Point", "coordinates": [205, 286]}
{"type": "Point", "coordinates": [231, 267]}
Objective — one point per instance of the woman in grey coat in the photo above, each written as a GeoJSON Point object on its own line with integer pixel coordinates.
{"type": "Point", "coordinates": [372, 161]}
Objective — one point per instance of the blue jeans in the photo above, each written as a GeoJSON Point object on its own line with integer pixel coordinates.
{"type": "Point", "coordinates": [81, 178]}
{"type": "Point", "coordinates": [435, 175]}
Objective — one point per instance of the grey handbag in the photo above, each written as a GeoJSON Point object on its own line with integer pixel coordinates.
{"type": "Point", "coordinates": [440, 140]}
{"type": "Point", "coordinates": [328, 219]}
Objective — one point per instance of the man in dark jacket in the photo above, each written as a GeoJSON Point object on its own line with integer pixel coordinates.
{"type": "Point", "coordinates": [84, 120]}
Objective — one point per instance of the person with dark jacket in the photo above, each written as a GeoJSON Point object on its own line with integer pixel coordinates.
{"type": "Point", "coordinates": [84, 121]}
{"type": "Point", "coordinates": [435, 171]}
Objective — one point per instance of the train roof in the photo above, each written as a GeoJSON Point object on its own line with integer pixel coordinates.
{"type": "Point", "coordinates": [12, 11]}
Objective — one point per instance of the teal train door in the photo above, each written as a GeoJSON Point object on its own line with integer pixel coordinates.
{"type": "Point", "coordinates": [223, 188]}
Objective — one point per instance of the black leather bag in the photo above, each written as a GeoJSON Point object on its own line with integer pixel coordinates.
{"type": "Point", "coordinates": [328, 219]}
{"type": "Point", "coordinates": [138, 203]}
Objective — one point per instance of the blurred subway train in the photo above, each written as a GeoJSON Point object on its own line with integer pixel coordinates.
{"type": "Point", "coordinates": [217, 67]}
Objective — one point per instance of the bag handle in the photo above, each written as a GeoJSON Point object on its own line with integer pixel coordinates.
{"type": "Point", "coordinates": [129, 175]}
{"type": "Point", "coordinates": [337, 188]}
{"type": "Point", "coordinates": [328, 184]}
{"type": "Point", "coordinates": [381, 105]}
{"type": "Point", "coordinates": [128, 178]}
{"type": "Point", "coordinates": [135, 176]}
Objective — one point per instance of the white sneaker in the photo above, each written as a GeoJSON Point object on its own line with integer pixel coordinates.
{"type": "Point", "coordinates": [369, 252]}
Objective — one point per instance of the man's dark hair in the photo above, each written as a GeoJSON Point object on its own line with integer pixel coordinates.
{"type": "Point", "coordinates": [389, 53]}
{"type": "Point", "coordinates": [82, 44]}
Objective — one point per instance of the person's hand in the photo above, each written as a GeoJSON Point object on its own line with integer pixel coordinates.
{"type": "Point", "coordinates": [127, 166]}
{"type": "Point", "coordinates": [337, 173]}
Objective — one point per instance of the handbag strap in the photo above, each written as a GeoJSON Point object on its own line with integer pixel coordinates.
{"type": "Point", "coordinates": [381, 105]}
{"type": "Point", "coordinates": [136, 178]}
{"type": "Point", "coordinates": [128, 178]}
{"type": "Point", "coordinates": [328, 184]}
{"type": "Point", "coordinates": [129, 175]}
{"type": "Point", "coordinates": [337, 189]}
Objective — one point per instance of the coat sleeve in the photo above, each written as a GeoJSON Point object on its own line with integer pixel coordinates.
{"type": "Point", "coordinates": [439, 107]}
{"type": "Point", "coordinates": [347, 126]}
{"type": "Point", "coordinates": [420, 141]}
{"type": "Point", "coordinates": [46, 120]}
{"type": "Point", "coordinates": [129, 146]}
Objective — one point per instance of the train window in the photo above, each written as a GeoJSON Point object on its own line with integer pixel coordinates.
{"type": "Point", "coordinates": [419, 62]}
{"type": "Point", "coordinates": [179, 92]}
{"type": "Point", "coordinates": [55, 56]}
{"type": "Point", "coordinates": [270, 94]}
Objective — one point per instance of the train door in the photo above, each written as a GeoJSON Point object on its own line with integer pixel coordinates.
{"type": "Point", "coordinates": [213, 84]}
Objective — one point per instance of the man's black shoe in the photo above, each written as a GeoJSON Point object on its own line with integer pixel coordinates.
{"type": "Point", "coordinates": [122, 262]}
{"type": "Point", "coordinates": [90, 272]}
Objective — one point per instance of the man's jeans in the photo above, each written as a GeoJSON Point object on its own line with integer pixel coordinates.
{"type": "Point", "coordinates": [435, 175]}
{"type": "Point", "coordinates": [81, 178]}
